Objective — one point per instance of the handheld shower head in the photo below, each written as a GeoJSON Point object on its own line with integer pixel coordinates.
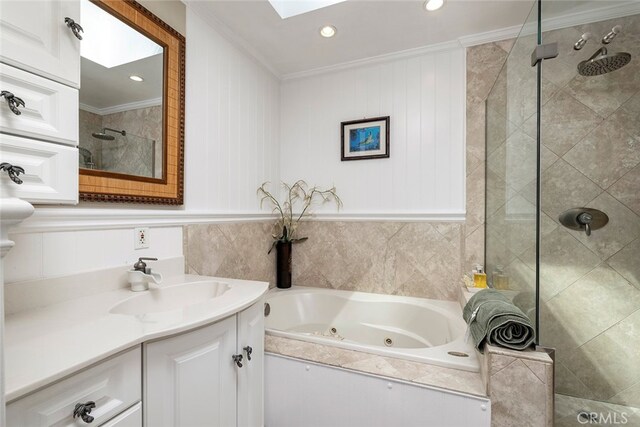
{"type": "Point", "coordinates": [105, 137]}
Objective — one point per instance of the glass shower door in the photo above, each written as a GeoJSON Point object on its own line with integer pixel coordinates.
{"type": "Point", "coordinates": [511, 172]}
{"type": "Point", "coordinates": [590, 284]}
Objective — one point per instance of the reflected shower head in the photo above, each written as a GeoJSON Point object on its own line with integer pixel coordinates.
{"type": "Point", "coordinates": [105, 137]}
{"type": "Point", "coordinates": [603, 62]}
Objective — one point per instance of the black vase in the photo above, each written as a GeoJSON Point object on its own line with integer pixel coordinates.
{"type": "Point", "coordinates": [283, 265]}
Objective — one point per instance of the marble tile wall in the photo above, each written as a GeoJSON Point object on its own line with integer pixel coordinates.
{"type": "Point", "coordinates": [484, 63]}
{"type": "Point", "coordinates": [132, 154]}
{"type": "Point", "coordinates": [520, 385]}
{"type": "Point", "coordinates": [590, 286]}
{"type": "Point", "coordinates": [401, 258]}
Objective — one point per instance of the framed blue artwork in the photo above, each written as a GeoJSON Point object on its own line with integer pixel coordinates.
{"type": "Point", "coordinates": [365, 139]}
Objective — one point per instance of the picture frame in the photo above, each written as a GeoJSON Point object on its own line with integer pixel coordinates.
{"type": "Point", "coordinates": [365, 139]}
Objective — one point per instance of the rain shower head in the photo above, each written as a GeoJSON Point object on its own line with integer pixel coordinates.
{"type": "Point", "coordinates": [106, 137]}
{"type": "Point", "coordinates": [603, 62]}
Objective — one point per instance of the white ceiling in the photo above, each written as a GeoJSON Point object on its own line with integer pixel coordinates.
{"type": "Point", "coordinates": [104, 88]}
{"type": "Point", "coordinates": [365, 28]}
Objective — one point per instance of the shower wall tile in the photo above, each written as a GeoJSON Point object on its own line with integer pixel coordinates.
{"type": "Point", "coordinates": [484, 63]}
{"type": "Point", "coordinates": [563, 187]}
{"type": "Point", "coordinates": [606, 154]}
{"type": "Point", "coordinates": [606, 355]}
{"type": "Point", "coordinates": [559, 134]}
{"type": "Point", "coordinates": [622, 229]}
{"type": "Point", "coordinates": [416, 259]}
{"type": "Point", "coordinates": [625, 262]}
{"type": "Point", "coordinates": [560, 249]}
{"type": "Point", "coordinates": [628, 116]}
{"type": "Point", "coordinates": [586, 309]}
{"type": "Point", "coordinates": [606, 93]}
{"type": "Point", "coordinates": [626, 189]}
{"type": "Point", "coordinates": [628, 397]}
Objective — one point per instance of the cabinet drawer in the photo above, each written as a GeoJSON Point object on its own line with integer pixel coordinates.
{"type": "Point", "coordinates": [51, 170]}
{"type": "Point", "coordinates": [35, 38]}
{"type": "Point", "coordinates": [114, 385]}
{"type": "Point", "coordinates": [132, 417]}
{"type": "Point", "coordinates": [50, 112]}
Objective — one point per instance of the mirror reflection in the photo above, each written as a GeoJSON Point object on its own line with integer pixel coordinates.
{"type": "Point", "coordinates": [121, 111]}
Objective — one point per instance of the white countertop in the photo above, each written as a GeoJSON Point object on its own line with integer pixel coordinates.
{"type": "Point", "coordinates": [45, 344]}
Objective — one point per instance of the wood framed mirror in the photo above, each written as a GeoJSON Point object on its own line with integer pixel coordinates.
{"type": "Point", "coordinates": [131, 136]}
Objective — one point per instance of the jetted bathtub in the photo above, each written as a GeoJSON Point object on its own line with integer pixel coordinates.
{"type": "Point", "coordinates": [422, 330]}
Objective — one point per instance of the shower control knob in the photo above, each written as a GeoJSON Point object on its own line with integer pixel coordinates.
{"type": "Point", "coordinates": [583, 219]}
{"type": "Point", "coordinates": [237, 359]}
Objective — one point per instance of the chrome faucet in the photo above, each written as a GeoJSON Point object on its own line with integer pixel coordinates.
{"type": "Point", "coordinates": [141, 265]}
{"type": "Point", "coordinates": [141, 275]}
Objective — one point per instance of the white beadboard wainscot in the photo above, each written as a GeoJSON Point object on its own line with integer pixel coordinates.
{"type": "Point", "coordinates": [425, 97]}
{"type": "Point", "coordinates": [232, 105]}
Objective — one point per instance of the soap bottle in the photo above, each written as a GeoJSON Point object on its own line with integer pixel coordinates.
{"type": "Point", "coordinates": [500, 280]}
{"type": "Point", "coordinates": [479, 277]}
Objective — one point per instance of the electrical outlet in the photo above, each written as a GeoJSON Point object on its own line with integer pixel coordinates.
{"type": "Point", "coordinates": [141, 238]}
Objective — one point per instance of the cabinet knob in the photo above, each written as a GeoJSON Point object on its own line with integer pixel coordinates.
{"type": "Point", "coordinates": [12, 101]}
{"type": "Point", "coordinates": [83, 410]}
{"type": "Point", "coordinates": [237, 358]}
{"type": "Point", "coordinates": [74, 27]}
{"type": "Point", "coordinates": [248, 350]}
{"type": "Point", "coordinates": [12, 171]}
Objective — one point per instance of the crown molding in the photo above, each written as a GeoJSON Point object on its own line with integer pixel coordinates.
{"type": "Point", "coordinates": [553, 23]}
{"type": "Point", "coordinates": [393, 56]}
{"type": "Point", "coordinates": [154, 102]}
{"type": "Point", "coordinates": [490, 36]}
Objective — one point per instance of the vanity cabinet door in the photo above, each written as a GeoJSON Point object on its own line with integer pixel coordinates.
{"type": "Point", "coordinates": [251, 376]}
{"type": "Point", "coordinates": [190, 379]}
{"type": "Point", "coordinates": [35, 38]}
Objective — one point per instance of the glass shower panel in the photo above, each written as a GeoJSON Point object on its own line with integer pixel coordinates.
{"type": "Point", "coordinates": [511, 172]}
{"type": "Point", "coordinates": [590, 284]}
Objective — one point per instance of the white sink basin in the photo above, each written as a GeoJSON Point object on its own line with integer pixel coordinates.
{"type": "Point", "coordinates": [170, 298]}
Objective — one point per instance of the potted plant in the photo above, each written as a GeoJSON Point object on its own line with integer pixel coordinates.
{"type": "Point", "coordinates": [296, 206]}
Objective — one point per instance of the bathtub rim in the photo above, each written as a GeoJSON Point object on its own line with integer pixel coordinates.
{"type": "Point", "coordinates": [449, 309]}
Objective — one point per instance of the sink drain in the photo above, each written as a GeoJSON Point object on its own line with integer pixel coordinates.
{"type": "Point", "coordinates": [457, 354]}
{"type": "Point", "coordinates": [388, 342]}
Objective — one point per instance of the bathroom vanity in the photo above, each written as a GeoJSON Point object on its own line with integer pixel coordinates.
{"type": "Point", "coordinates": [195, 357]}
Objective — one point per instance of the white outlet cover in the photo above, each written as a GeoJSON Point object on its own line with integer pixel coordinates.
{"type": "Point", "coordinates": [141, 238]}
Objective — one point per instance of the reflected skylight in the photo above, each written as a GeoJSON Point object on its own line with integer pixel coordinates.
{"type": "Point", "coordinates": [289, 8]}
{"type": "Point", "coordinates": [110, 42]}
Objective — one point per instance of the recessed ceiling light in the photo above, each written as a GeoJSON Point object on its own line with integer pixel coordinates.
{"type": "Point", "coordinates": [432, 5]}
{"type": "Point", "coordinates": [328, 31]}
{"type": "Point", "coordinates": [136, 78]}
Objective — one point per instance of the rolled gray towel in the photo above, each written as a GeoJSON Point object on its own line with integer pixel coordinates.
{"type": "Point", "coordinates": [493, 318]}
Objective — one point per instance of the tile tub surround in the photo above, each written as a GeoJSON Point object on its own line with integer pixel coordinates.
{"type": "Point", "coordinates": [419, 373]}
{"type": "Point", "coordinates": [421, 259]}
{"type": "Point", "coordinates": [520, 385]}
